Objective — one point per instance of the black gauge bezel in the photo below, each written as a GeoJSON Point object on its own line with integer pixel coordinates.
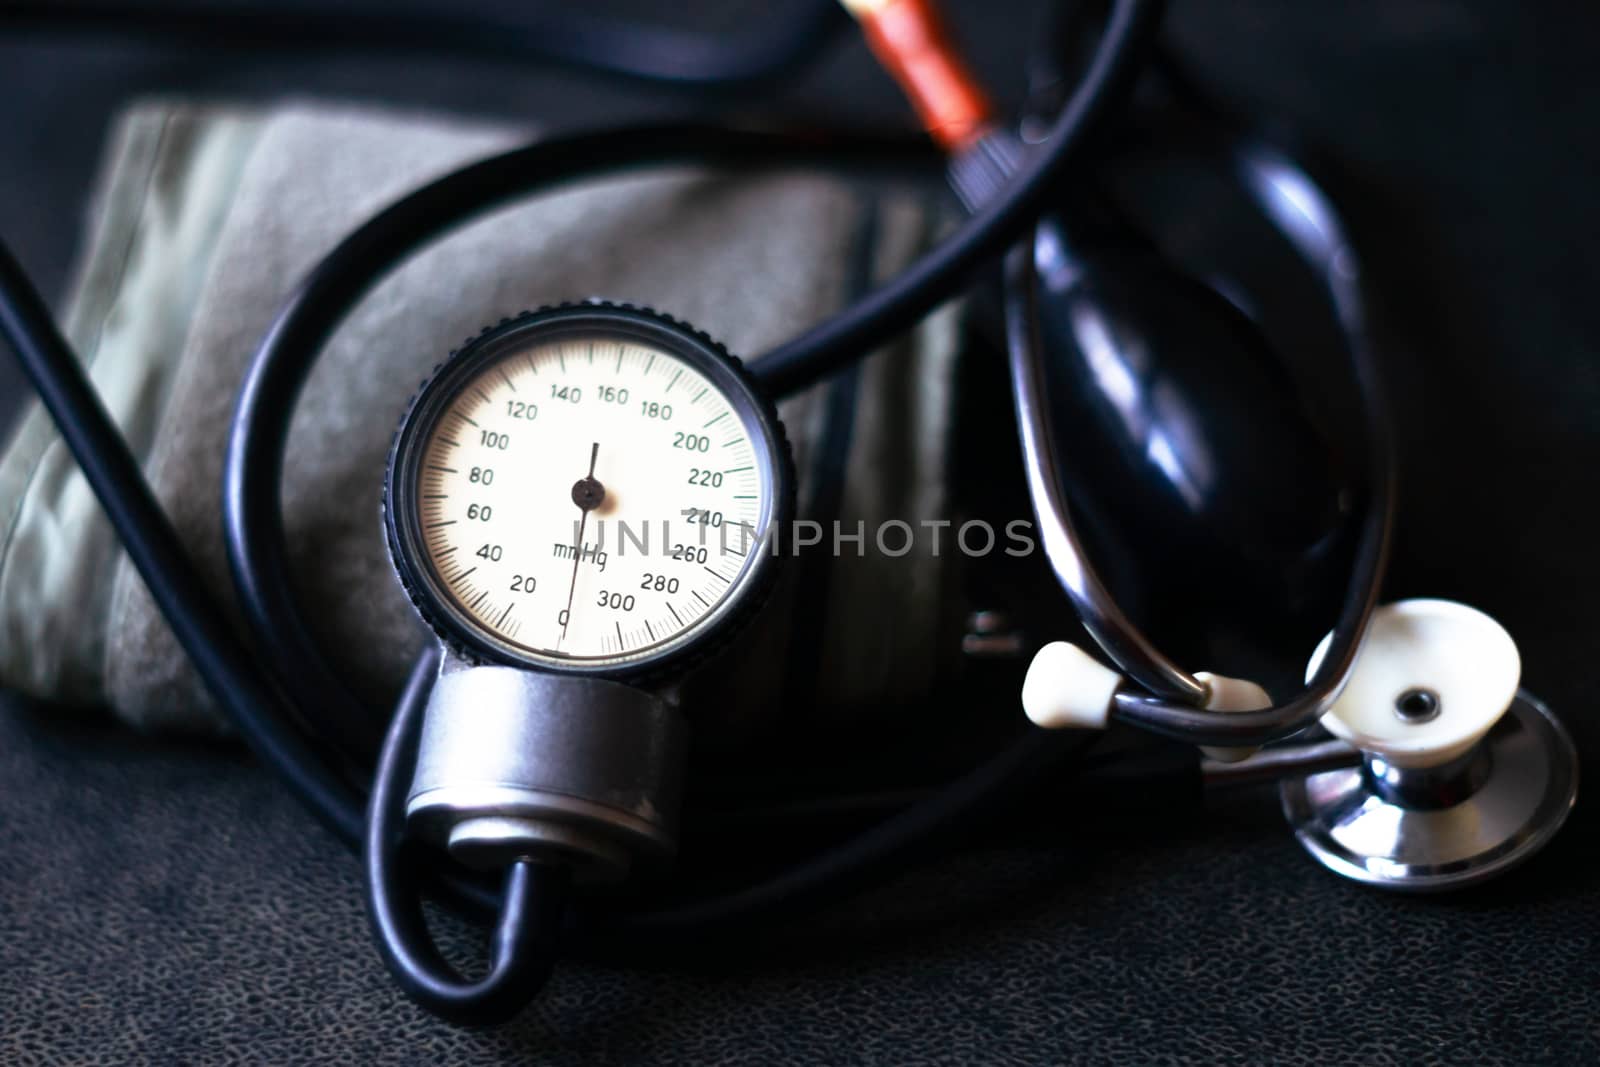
{"type": "Point", "coordinates": [402, 515]}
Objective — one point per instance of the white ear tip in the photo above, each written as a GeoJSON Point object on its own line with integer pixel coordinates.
{"type": "Point", "coordinates": [1066, 687]}
{"type": "Point", "coordinates": [1231, 694]}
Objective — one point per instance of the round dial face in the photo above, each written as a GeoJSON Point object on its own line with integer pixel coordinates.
{"type": "Point", "coordinates": [588, 488]}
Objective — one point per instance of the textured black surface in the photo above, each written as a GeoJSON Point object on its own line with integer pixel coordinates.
{"type": "Point", "coordinates": [162, 903]}
{"type": "Point", "coordinates": [170, 904]}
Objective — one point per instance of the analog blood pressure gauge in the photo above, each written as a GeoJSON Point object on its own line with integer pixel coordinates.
{"type": "Point", "coordinates": [587, 489]}
{"type": "Point", "coordinates": [578, 500]}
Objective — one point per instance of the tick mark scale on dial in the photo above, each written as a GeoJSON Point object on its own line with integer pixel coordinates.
{"type": "Point", "coordinates": [451, 552]}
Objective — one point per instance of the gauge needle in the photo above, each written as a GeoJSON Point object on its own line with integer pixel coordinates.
{"type": "Point", "coordinates": [587, 493]}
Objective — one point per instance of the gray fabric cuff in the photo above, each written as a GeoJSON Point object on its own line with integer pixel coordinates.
{"type": "Point", "coordinates": [205, 219]}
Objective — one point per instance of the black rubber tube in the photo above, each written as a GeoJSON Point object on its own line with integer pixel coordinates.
{"type": "Point", "coordinates": [847, 868]}
{"type": "Point", "coordinates": [254, 462]}
{"type": "Point", "coordinates": [531, 909]}
{"type": "Point", "coordinates": [252, 515]}
{"type": "Point", "coordinates": [234, 679]}
{"type": "Point", "coordinates": [809, 885]}
{"type": "Point", "coordinates": [253, 466]}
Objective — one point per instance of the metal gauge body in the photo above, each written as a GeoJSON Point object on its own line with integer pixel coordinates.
{"type": "Point", "coordinates": [587, 489]}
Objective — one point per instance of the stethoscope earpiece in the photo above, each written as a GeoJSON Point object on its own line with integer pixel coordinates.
{"type": "Point", "coordinates": [1462, 774]}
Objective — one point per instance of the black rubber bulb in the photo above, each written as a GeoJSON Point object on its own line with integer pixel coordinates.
{"type": "Point", "coordinates": [1189, 450]}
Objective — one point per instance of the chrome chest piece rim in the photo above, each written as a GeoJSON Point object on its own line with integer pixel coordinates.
{"type": "Point", "coordinates": [1442, 827]}
{"type": "Point", "coordinates": [1463, 775]}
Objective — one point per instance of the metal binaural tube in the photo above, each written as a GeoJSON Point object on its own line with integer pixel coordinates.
{"type": "Point", "coordinates": [1275, 764]}
{"type": "Point", "coordinates": [1112, 630]}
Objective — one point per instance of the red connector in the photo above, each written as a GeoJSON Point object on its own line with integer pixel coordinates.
{"type": "Point", "coordinates": [910, 39]}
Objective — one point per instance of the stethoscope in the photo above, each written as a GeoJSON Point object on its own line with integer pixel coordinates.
{"type": "Point", "coordinates": [541, 743]}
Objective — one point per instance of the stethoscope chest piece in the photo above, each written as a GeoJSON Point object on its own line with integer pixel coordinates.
{"type": "Point", "coordinates": [1462, 776]}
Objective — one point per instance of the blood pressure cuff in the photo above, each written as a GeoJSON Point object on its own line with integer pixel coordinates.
{"type": "Point", "coordinates": [203, 221]}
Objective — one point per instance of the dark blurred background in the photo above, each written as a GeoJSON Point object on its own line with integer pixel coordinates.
{"type": "Point", "coordinates": [166, 902]}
